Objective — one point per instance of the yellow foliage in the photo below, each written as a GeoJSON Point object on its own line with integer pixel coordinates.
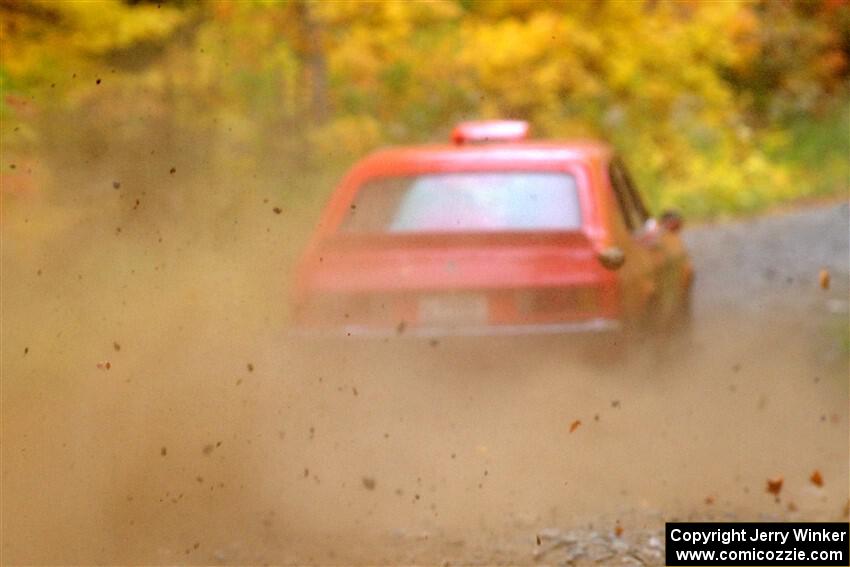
{"type": "Point", "coordinates": [345, 138]}
{"type": "Point", "coordinates": [686, 90]}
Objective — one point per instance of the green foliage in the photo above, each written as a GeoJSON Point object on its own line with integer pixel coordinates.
{"type": "Point", "coordinates": [717, 107]}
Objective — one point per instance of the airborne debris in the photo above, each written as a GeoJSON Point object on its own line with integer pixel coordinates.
{"type": "Point", "coordinates": [823, 278]}
{"type": "Point", "coordinates": [774, 485]}
{"type": "Point", "coordinates": [277, 210]}
{"type": "Point", "coordinates": [172, 171]}
{"type": "Point", "coordinates": [368, 483]}
{"type": "Point", "coordinates": [402, 325]}
{"type": "Point", "coordinates": [208, 449]}
{"type": "Point", "coordinates": [575, 425]}
{"type": "Point", "coordinates": [116, 185]}
{"type": "Point", "coordinates": [816, 478]}
{"type": "Point", "coordinates": [250, 367]}
{"type": "Point", "coordinates": [116, 346]}
{"type": "Point", "coordinates": [615, 403]}
{"type": "Point", "coordinates": [105, 365]}
{"type": "Point", "coordinates": [163, 451]}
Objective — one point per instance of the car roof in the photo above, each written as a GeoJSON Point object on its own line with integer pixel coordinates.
{"type": "Point", "coordinates": [403, 157]}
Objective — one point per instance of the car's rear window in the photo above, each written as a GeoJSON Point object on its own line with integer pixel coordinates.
{"type": "Point", "coordinates": [466, 202]}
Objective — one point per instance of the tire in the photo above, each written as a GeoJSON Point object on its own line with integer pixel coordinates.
{"type": "Point", "coordinates": [673, 340]}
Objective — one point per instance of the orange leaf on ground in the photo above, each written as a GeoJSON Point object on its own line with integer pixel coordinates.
{"type": "Point", "coordinates": [816, 478]}
{"type": "Point", "coordinates": [574, 425]}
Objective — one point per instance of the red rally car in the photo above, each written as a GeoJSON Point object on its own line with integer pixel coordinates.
{"type": "Point", "coordinates": [490, 235]}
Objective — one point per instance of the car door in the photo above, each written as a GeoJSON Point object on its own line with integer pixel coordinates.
{"type": "Point", "coordinates": [643, 281]}
{"type": "Point", "coordinates": [663, 246]}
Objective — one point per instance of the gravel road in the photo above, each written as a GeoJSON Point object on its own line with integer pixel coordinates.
{"type": "Point", "coordinates": [747, 264]}
{"type": "Point", "coordinates": [205, 441]}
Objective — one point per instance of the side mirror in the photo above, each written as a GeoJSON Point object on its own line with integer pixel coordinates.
{"type": "Point", "coordinates": [671, 220]}
{"type": "Point", "coordinates": [611, 258]}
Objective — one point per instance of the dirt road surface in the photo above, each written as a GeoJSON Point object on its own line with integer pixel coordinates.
{"type": "Point", "coordinates": [154, 411]}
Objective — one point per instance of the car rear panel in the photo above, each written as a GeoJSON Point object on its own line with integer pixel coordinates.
{"type": "Point", "coordinates": [436, 286]}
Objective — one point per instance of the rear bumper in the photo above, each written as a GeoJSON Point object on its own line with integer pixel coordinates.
{"type": "Point", "coordinates": [589, 326]}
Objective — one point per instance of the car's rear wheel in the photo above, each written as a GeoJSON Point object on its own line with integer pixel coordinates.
{"type": "Point", "coordinates": [671, 337]}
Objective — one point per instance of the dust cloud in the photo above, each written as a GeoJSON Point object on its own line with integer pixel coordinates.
{"type": "Point", "coordinates": [156, 410]}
